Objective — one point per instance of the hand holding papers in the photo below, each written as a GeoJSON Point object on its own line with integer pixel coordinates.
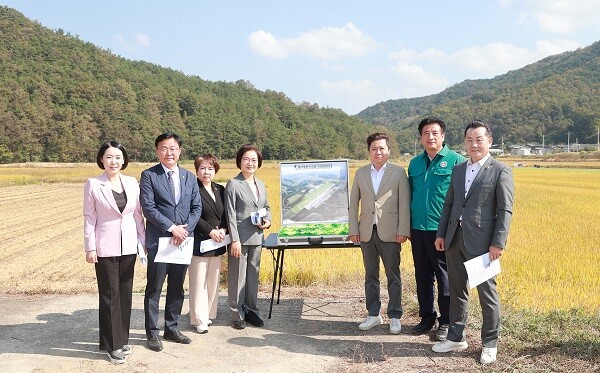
{"type": "Point", "coordinates": [209, 245]}
{"type": "Point", "coordinates": [169, 253]}
{"type": "Point", "coordinates": [480, 269]}
{"type": "Point", "coordinates": [257, 216]}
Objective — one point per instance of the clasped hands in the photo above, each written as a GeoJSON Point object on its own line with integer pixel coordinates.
{"type": "Point", "coordinates": [179, 234]}
{"type": "Point", "coordinates": [217, 235]}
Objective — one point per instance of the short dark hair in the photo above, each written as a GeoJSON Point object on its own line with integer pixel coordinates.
{"type": "Point", "coordinates": [432, 120]}
{"type": "Point", "coordinates": [377, 136]}
{"type": "Point", "coordinates": [211, 159]}
{"type": "Point", "coordinates": [244, 149]}
{"type": "Point", "coordinates": [478, 123]}
{"type": "Point", "coordinates": [166, 136]}
{"type": "Point", "coordinates": [111, 144]}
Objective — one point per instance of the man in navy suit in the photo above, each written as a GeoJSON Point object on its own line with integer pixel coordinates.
{"type": "Point", "coordinates": [170, 200]}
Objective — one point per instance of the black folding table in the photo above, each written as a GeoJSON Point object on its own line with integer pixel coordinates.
{"type": "Point", "coordinates": [278, 250]}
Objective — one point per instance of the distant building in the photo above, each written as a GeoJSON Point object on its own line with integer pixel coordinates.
{"type": "Point", "coordinates": [520, 150]}
{"type": "Point", "coordinates": [583, 147]}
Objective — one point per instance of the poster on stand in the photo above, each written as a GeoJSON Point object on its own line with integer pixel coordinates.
{"type": "Point", "coordinates": [314, 202]}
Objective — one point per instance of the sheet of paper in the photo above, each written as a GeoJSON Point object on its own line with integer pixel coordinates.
{"type": "Point", "coordinates": [169, 253]}
{"type": "Point", "coordinates": [210, 245]}
{"type": "Point", "coordinates": [480, 269]}
{"type": "Point", "coordinates": [257, 216]}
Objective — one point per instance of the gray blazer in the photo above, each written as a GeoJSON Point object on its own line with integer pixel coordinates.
{"type": "Point", "coordinates": [486, 210]}
{"type": "Point", "coordinates": [239, 204]}
{"type": "Point", "coordinates": [158, 203]}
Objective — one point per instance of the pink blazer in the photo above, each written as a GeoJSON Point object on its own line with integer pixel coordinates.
{"type": "Point", "coordinates": [105, 225]}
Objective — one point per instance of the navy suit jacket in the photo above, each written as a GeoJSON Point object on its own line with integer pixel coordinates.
{"type": "Point", "coordinates": [158, 203]}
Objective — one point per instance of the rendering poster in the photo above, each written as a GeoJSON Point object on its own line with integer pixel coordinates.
{"type": "Point", "coordinates": [314, 200]}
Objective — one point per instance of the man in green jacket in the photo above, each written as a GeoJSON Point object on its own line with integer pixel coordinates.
{"type": "Point", "coordinates": [429, 177]}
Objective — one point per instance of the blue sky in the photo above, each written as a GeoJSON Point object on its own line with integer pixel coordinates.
{"type": "Point", "coordinates": [345, 54]}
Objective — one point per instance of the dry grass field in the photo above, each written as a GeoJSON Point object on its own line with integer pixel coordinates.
{"type": "Point", "coordinates": [551, 261]}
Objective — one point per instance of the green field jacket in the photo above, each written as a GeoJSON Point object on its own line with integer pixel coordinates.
{"type": "Point", "coordinates": [428, 187]}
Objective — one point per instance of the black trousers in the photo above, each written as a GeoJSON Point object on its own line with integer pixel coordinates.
{"type": "Point", "coordinates": [430, 265]}
{"type": "Point", "coordinates": [156, 275]}
{"type": "Point", "coordinates": [115, 283]}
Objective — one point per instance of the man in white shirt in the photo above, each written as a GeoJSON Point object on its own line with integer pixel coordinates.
{"type": "Point", "coordinates": [382, 191]}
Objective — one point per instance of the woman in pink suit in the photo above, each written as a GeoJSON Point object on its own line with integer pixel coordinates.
{"type": "Point", "coordinates": [113, 229]}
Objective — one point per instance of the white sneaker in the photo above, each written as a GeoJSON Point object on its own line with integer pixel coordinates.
{"type": "Point", "coordinates": [370, 322]}
{"type": "Point", "coordinates": [488, 355]}
{"type": "Point", "coordinates": [202, 329]}
{"type": "Point", "coordinates": [449, 346]}
{"type": "Point", "coordinates": [395, 326]}
{"type": "Point", "coordinates": [209, 323]}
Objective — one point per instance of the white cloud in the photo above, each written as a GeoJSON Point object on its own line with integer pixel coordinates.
{"type": "Point", "coordinates": [420, 73]}
{"type": "Point", "coordinates": [558, 16]}
{"type": "Point", "coordinates": [140, 40]}
{"type": "Point", "coordinates": [327, 43]}
{"type": "Point", "coordinates": [143, 40]}
{"type": "Point", "coordinates": [478, 61]}
{"type": "Point", "coordinates": [354, 95]}
{"type": "Point", "coordinates": [414, 80]}
{"type": "Point", "coordinates": [498, 58]}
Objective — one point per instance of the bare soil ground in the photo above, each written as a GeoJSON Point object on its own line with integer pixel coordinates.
{"type": "Point", "coordinates": [310, 331]}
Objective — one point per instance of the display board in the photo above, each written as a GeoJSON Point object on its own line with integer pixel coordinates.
{"type": "Point", "coordinates": [314, 202]}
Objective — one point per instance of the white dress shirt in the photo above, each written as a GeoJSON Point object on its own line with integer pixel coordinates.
{"type": "Point", "coordinates": [376, 177]}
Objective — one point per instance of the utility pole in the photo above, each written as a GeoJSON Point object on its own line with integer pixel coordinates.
{"type": "Point", "coordinates": [569, 142]}
{"type": "Point", "coordinates": [598, 139]}
{"type": "Point", "coordinates": [543, 144]}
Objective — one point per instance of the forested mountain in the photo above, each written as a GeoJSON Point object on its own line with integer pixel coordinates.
{"type": "Point", "coordinates": [552, 97]}
{"type": "Point", "coordinates": [60, 97]}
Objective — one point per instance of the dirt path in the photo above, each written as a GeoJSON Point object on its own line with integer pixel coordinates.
{"type": "Point", "coordinates": [314, 332]}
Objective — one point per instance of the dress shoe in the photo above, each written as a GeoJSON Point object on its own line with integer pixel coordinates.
{"type": "Point", "coordinates": [154, 343]}
{"type": "Point", "coordinates": [370, 322]}
{"type": "Point", "coordinates": [116, 356]}
{"type": "Point", "coordinates": [423, 326]}
{"type": "Point", "coordinates": [126, 350]}
{"type": "Point", "coordinates": [202, 329]}
{"type": "Point", "coordinates": [395, 326]}
{"type": "Point", "coordinates": [177, 337]}
{"type": "Point", "coordinates": [254, 320]}
{"type": "Point", "coordinates": [239, 324]}
{"type": "Point", "coordinates": [488, 355]}
{"type": "Point", "coordinates": [441, 333]}
{"type": "Point", "coordinates": [449, 346]}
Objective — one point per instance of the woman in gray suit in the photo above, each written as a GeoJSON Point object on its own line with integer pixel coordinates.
{"type": "Point", "coordinates": [248, 214]}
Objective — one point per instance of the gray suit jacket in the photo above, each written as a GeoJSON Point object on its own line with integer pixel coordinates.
{"type": "Point", "coordinates": [391, 204]}
{"type": "Point", "coordinates": [158, 203]}
{"type": "Point", "coordinates": [239, 204]}
{"type": "Point", "coordinates": [486, 210]}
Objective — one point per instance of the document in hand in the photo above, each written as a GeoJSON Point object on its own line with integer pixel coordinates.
{"type": "Point", "coordinates": [169, 253]}
{"type": "Point", "coordinates": [210, 245]}
{"type": "Point", "coordinates": [257, 216]}
{"type": "Point", "coordinates": [480, 269]}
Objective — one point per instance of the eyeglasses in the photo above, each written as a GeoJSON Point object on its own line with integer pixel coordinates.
{"type": "Point", "coordinates": [164, 149]}
{"type": "Point", "coordinates": [249, 160]}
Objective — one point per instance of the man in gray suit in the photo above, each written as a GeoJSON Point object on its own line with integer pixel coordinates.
{"type": "Point", "coordinates": [475, 220]}
{"type": "Point", "coordinates": [170, 200]}
{"type": "Point", "coordinates": [382, 190]}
